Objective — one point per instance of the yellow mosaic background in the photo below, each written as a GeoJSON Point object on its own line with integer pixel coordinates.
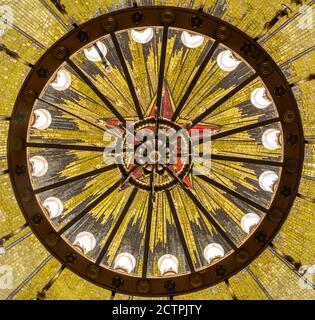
{"type": "Point", "coordinates": [35, 28]}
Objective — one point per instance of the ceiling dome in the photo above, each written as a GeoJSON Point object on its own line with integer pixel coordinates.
{"type": "Point", "coordinates": [176, 153]}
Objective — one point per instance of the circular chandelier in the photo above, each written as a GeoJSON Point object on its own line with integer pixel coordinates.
{"type": "Point", "coordinates": [162, 181]}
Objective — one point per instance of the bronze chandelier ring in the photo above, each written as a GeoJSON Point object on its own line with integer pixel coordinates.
{"type": "Point", "coordinates": [159, 16]}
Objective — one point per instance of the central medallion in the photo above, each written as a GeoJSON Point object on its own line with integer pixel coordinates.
{"type": "Point", "coordinates": [151, 146]}
{"type": "Point", "coordinates": [157, 144]}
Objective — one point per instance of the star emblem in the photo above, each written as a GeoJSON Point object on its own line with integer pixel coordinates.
{"type": "Point", "coordinates": [168, 108]}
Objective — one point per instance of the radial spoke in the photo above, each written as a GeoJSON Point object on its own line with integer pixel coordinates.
{"type": "Point", "coordinates": [89, 82]}
{"type": "Point", "coordinates": [226, 133]}
{"type": "Point", "coordinates": [127, 75]}
{"type": "Point", "coordinates": [161, 72]}
{"type": "Point", "coordinates": [246, 160]}
{"type": "Point", "coordinates": [217, 104]}
{"type": "Point", "coordinates": [229, 158]}
{"type": "Point", "coordinates": [204, 211]}
{"type": "Point", "coordinates": [195, 80]}
{"type": "Point", "coordinates": [84, 96]}
{"type": "Point", "coordinates": [232, 193]}
{"type": "Point", "coordinates": [117, 225]}
{"type": "Point", "coordinates": [245, 128]}
{"type": "Point", "coordinates": [148, 228]}
{"type": "Point", "coordinates": [76, 178]}
{"type": "Point", "coordinates": [64, 146]}
{"type": "Point", "coordinates": [92, 205]}
{"type": "Point", "coordinates": [72, 114]}
{"type": "Point", "coordinates": [180, 231]}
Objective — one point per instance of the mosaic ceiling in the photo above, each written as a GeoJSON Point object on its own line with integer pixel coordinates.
{"type": "Point", "coordinates": [78, 117]}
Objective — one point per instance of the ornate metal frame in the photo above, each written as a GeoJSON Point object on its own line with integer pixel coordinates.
{"type": "Point", "coordinates": [222, 32]}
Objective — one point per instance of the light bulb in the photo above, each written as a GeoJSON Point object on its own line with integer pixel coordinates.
{"type": "Point", "coordinates": [42, 119]}
{"type": "Point", "coordinates": [62, 81]}
{"type": "Point", "coordinates": [259, 98]}
{"type": "Point", "coordinates": [125, 262]}
{"type": "Point", "coordinates": [213, 251]}
{"type": "Point", "coordinates": [267, 180]}
{"type": "Point", "coordinates": [227, 61]}
{"type": "Point", "coordinates": [54, 207]}
{"type": "Point", "coordinates": [142, 35]}
{"type": "Point", "coordinates": [271, 139]}
{"type": "Point", "coordinates": [92, 54]}
{"type": "Point", "coordinates": [39, 166]}
{"type": "Point", "coordinates": [192, 40]}
{"type": "Point", "coordinates": [168, 265]}
{"type": "Point", "coordinates": [249, 221]}
{"type": "Point", "coordinates": [85, 241]}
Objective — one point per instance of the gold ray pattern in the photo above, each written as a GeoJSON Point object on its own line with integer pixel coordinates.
{"type": "Point", "coordinates": [79, 118]}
